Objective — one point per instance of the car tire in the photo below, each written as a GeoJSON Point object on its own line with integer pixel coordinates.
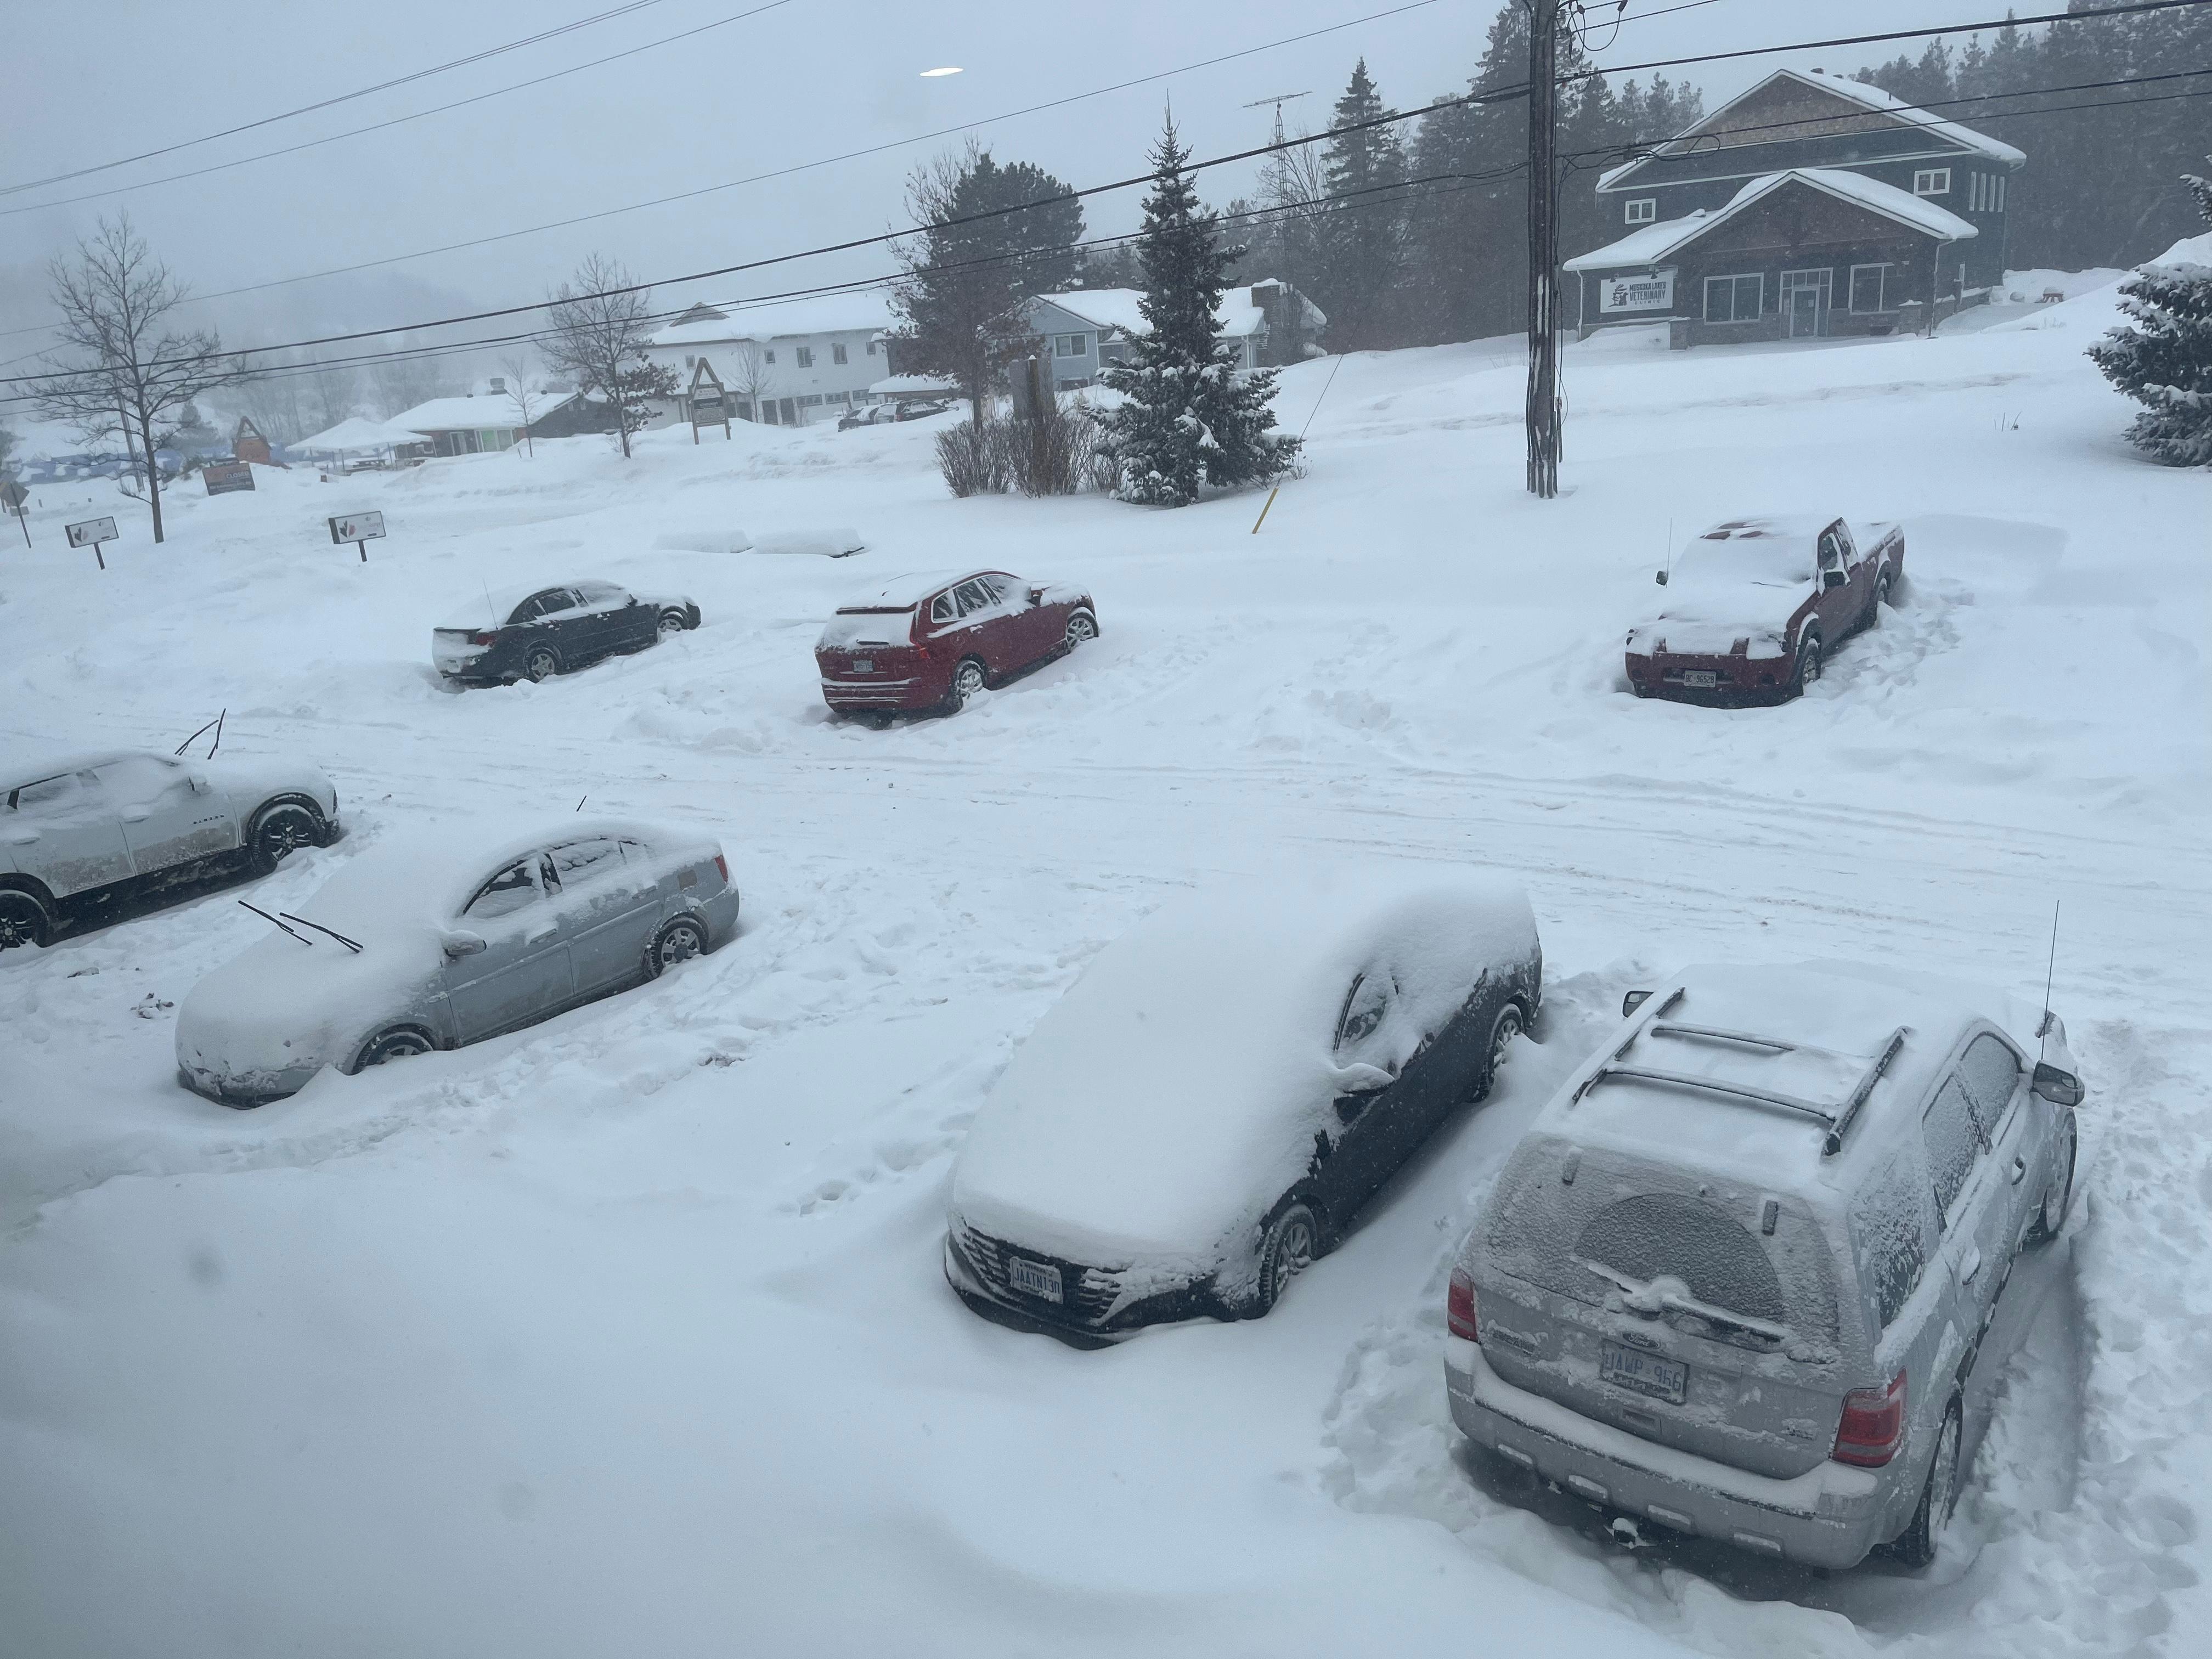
{"type": "Point", "coordinates": [1509, 1024]}
{"type": "Point", "coordinates": [1880, 598]}
{"type": "Point", "coordinates": [680, 940]}
{"type": "Point", "coordinates": [400, 1042]}
{"type": "Point", "coordinates": [24, 920]}
{"type": "Point", "coordinates": [2058, 1195]}
{"type": "Point", "coordinates": [1809, 661]}
{"type": "Point", "coordinates": [1292, 1245]}
{"type": "Point", "coordinates": [1082, 628]}
{"type": "Point", "coordinates": [671, 621]}
{"type": "Point", "coordinates": [542, 662]}
{"type": "Point", "coordinates": [1915, 1545]}
{"type": "Point", "coordinates": [968, 679]}
{"type": "Point", "coordinates": [280, 830]}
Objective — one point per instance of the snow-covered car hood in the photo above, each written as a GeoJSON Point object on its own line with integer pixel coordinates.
{"type": "Point", "coordinates": [1173, 1094]}
{"type": "Point", "coordinates": [1727, 587]}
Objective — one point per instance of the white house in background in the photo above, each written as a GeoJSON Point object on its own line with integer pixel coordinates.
{"type": "Point", "coordinates": [1085, 330]}
{"type": "Point", "coordinates": [784, 363]}
{"type": "Point", "coordinates": [487, 418]}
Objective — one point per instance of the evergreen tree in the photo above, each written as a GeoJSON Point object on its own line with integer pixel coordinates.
{"type": "Point", "coordinates": [2163, 357]}
{"type": "Point", "coordinates": [1187, 418]}
{"type": "Point", "coordinates": [1363, 232]}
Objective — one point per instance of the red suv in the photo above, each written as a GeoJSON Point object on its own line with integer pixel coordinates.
{"type": "Point", "coordinates": [933, 642]}
{"type": "Point", "coordinates": [1754, 605]}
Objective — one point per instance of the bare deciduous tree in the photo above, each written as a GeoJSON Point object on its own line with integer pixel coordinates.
{"type": "Point", "coordinates": [525, 400]}
{"type": "Point", "coordinates": [752, 378]}
{"type": "Point", "coordinates": [597, 337]}
{"type": "Point", "coordinates": [133, 375]}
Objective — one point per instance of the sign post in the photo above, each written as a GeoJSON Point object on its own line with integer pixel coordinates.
{"type": "Point", "coordinates": [222, 478]}
{"type": "Point", "coordinates": [90, 533]}
{"type": "Point", "coordinates": [359, 528]}
{"type": "Point", "coordinates": [17, 499]}
{"type": "Point", "coordinates": [709, 406]}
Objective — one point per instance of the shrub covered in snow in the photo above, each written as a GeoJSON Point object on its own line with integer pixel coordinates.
{"type": "Point", "coordinates": [2163, 358]}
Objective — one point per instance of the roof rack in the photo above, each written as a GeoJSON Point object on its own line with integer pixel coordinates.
{"type": "Point", "coordinates": [1838, 1115]}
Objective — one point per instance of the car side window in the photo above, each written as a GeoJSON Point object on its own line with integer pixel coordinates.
{"type": "Point", "coordinates": [136, 779]}
{"type": "Point", "coordinates": [529, 611]}
{"type": "Point", "coordinates": [510, 890]}
{"type": "Point", "coordinates": [56, 797]}
{"type": "Point", "coordinates": [1952, 1138]}
{"type": "Point", "coordinates": [600, 595]}
{"type": "Point", "coordinates": [580, 861]}
{"type": "Point", "coordinates": [974, 596]}
{"type": "Point", "coordinates": [1364, 1005]}
{"type": "Point", "coordinates": [1991, 1075]}
{"type": "Point", "coordinates": [1830, 554]}
{"type": "Point", "coordinates": [1889, 1238]}
{"type": "Point", "coordinates": [942, 609]}
{"type": "Point", "coordinates": [1001, 588]}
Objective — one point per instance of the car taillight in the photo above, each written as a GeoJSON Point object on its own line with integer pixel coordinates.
{"type": "Point", "coordinates": [722, 865]}
{"type": "Point", "coordinates": [482, 638]}
{"type": "Point", "coordinates": [1873, 1425]}
{"type": "Point", "coordinates": [1459, 1306]}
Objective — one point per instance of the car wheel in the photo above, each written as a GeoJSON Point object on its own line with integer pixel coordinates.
{"type": "Point", "coordinates": [677, 941]}
{"type": "Point", "coordinates": [1915, 1545]}
{"type": "Point", "coordinates": [1880, 596]}
{"type": "Point", "coordinates": [966, 681]}
{"type": "Point", "coordinates": [542, 664]}
{"type": "Point", "coordinates": [1808, 665]}
{"type": "Point", "coordinates": [1080, 630]}
{"type": "Point", "coordinates": [1293, 1241]}
{"type": "Point", "coordinates": [280, 831]}
{"type": "Point", "coordinates": [1508, 1025]}
{"type": "Point", "coordinates": [401, 1043]}
{"type": "Point", "coordinates": [672, 622]}
{"type": "Point", "coordinates": [2058, 1196]}
{"type": "Point", "coordinates": [24, 920]}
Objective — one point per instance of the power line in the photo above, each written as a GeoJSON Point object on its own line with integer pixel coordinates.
{"type": "Point", "coordinates": [342, 97]}
{"type": "Point", "coordinates": [1497, 95]}
{"type": "Point", "coordinates": [396, 121]}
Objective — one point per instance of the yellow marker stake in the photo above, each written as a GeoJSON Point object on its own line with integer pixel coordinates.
{"type": "Point", "coordinates": [1263, 519]}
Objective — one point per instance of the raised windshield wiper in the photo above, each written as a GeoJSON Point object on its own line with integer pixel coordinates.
{"type": "Point", "coordinates": [352, 945]}
{"type": "Point", "coordinates": [266, 917]}
{"type": "Point", "coordinates": [1640, 1297]}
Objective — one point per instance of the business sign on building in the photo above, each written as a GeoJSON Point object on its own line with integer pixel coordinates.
{"type": "Point", "coordinates": [1653, 292]}
{"type": "Point", "coordinates": [223, 478]}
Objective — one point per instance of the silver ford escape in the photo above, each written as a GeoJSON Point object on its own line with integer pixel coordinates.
{"type": "Point", "coordinates": [1736, 1275]}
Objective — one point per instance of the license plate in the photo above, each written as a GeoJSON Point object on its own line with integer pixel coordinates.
{"type": "Point", "coordinates": [1038, 1279]}
{"type": "Point", "coordinates": [1646, 1373]}
{"type": "Point", "coordinates": [1704, 677]}
{"type": "Point", "coordinates": [864, 665]}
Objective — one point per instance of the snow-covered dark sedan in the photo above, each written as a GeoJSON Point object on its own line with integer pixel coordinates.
{"type": "Point", "coordinates": [1210, 1106]}
{"type": "Point", "coordinates": [533, 634]}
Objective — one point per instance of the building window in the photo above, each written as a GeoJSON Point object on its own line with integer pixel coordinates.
{"type": "Point", "coordinates": [1932, 181]}
{"type": "Point", "coordinates": [1870, 289]}
{"type": "Point", "coordinates": [811, 400]}
{"type": "Point", "coordinates": [872, 348]}
{"type": "Point", "coordinates": [1071, 345]}
{"type": "Point", "coordinates": [2003, 184]}
{"type": "Point", "coordinates": [689, 361]}
{"type": "Point", "coordinates": [1644, 210]}
{"type": "Point", "coordinates": [768, 356]}
{"type": "Point", "coordinates": [806, 356]}
{"type": "Point", "coordinates": [1735, 299]}
{"type": "Point", "coordinates": [836, 353]}
{"type": "Point", "coordinates": [1822, 280]}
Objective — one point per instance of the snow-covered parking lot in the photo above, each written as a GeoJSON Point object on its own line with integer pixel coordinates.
{"type": "Point", "coordinates": [627, 1335]}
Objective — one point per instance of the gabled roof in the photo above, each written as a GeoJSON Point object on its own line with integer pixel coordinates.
{"type": "Point", "coordinates": [822, 313]}
{"type": "Point", "coordinates": [487, 410]}
{"type": "Point", "coordinates": [1654, 243]}
{"type": "Point", "coordinates": [1871, 99]}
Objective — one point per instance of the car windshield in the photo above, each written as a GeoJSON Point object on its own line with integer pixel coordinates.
{"type": "Point", "coordinates": [1741, 560]}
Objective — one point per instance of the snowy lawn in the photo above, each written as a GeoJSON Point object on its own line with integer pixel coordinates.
{"type": "Point", "coordinates": [626, 1334]}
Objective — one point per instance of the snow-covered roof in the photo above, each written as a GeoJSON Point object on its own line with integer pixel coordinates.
{"type": "Point", "coordinates": [821, 313]}
{"type": "Point", "coordinates": [354, 435]}
{"type": "Point", "coordinates": [904, 592]}
{"type": "Point", "coordinates": [1116, 309]}
{"type": "Point", "coordinates": [898, 386]}
{"type": "Point", "coordinates": [1654, 243]}
{"type": "Point", "coordinates": [1874, 99]}
{"type": "Point", "coordinates": [488, 411]}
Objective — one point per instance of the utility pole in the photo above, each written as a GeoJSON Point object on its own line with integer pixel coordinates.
{"type": "Point", "coordinates": [1543, 407]}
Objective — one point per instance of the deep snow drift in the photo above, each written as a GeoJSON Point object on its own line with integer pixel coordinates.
{"type": "Point", "coordinates": [628, 1334]}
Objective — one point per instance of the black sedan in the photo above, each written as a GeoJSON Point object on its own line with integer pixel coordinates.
{"type": "Point", "coordinates": [534, 634]}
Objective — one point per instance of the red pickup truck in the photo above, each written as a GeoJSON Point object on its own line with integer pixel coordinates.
{"type": "Point", "coordinates": [1754, 605]}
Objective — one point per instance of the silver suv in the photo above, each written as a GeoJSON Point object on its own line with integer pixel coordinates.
{"type": "Point", "coordinates": [1735, 1278]}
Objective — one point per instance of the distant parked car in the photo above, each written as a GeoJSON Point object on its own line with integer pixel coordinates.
{"type": "Point", "coordinates": [934, 640]}
{"type": "Point", "coordinates": [78, 829]}
{"type": "Point", "coordinates": [869, 415]}
{"type": "Point", "coordinates": [1754, 605]}
{"type": "Point", "coordinates": [447, 938]}
{"type": "Point", "coordinates": [533, 633]}
{"type": "Point", "coordinates": [922, 411]}
{"type": "Point", "coordinates": [1735, 1276]}
{"type": "Point", "coordinates": [1206, 1111]}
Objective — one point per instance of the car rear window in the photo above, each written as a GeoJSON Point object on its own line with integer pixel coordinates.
{"type": "Point", "coordinates": [1714, 1256]}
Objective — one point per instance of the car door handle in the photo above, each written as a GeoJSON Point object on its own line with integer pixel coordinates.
{"type": "Point", "coordinates": [540, 937]}
{"type": "Point", "coordinates": [137, 815]}
{"type": "Point", "coordinates": [1968, 1265]}
{"type": "Point", "coordinates": [2019, 1170]}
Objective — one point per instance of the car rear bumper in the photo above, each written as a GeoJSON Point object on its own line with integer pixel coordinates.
{"type": "Point", "coordinates": [1735, 679]}
{"type": "Point", "coordinates": [257, 1090]}
{"type": "Point", "coordinates": [720, 914]}
{"type": "Point", "coordinates": [1830, 1516]}
{"type": "Point", "coordinates": [882, 694]}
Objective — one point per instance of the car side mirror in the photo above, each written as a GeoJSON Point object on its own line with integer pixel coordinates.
{"type": "Point", "coordinates": [464, 945]}
{"type": "Point", "coordinates": [1834, 579]}
{"type": "Point", "coordinates": [2059, 1088]}
{"type": "Point", "coordinates": [1659, 576]}
{"type": "Point", "coordinates": [1632, 1001]}
{"type": "Point", "coordinates": [1037, 596]}
{"type": "Point", "coordinates": [199, 782]}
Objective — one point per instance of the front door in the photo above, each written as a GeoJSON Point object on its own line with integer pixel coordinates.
{"type": "Point", "coordinates": [524, 972]}
{"type": "Point", "coordinates": [1804, 312]}
{"type": "Point", "coordinates": [166, 822]}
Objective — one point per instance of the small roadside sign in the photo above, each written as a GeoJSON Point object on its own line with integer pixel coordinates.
{"type": "Point", "coordinates": [222, 478]}
{"type": "Point", "coordinates": [709, 404]}
{"type": "Point", "coordinates": [90, 532]}
{"type": "Point", "coordinates": [359, 528]}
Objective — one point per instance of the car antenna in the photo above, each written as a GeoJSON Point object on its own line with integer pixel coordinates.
{"type": "Point", "coordinates": [265, 916]}
{"type": "Point", "coordinates": [491, 610]}
{"type": "Point", "coordinates": [2049, 970]}
{"type": "Point", "coordinates": [352, 945]}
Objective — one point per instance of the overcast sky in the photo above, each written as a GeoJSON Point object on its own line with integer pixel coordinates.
{"type": "Point", "coordinates": [91, 82]}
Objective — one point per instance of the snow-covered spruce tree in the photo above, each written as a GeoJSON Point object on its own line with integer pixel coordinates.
{"type": "Point", "coordinates": [1190, 418]}
{"type": "Point", "coordinates": [2163, 357]}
